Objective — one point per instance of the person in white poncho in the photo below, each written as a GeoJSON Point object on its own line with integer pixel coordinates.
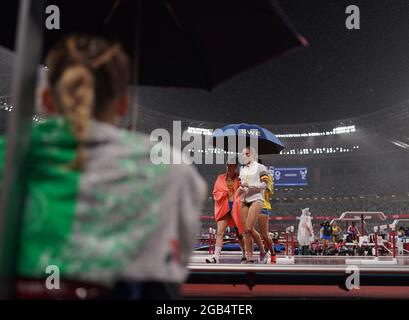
{"type": "Point", "coordinates": [305, 231]}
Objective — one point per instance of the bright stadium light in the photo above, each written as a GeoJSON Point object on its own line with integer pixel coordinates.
{"type": "Point", "coordinates": [200, 131]}
{"type": "Point", "coordinates": [323, 150]}
{"type": "Point", "coordinates": [337, 130]}
{"type": "Point", "coordinates": [347, 129]}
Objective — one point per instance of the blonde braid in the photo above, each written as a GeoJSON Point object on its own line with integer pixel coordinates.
{"type": "Point", "coordinates": [74, 78]}
{"type": "Point", "coordinates": [76, 95]}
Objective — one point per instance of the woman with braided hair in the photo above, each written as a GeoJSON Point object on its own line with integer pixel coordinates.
{"type": "Point", "coordinates": [96, 200]}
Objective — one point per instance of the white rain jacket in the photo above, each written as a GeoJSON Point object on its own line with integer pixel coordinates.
{"type": "Point", "coordinates": [305, 228]}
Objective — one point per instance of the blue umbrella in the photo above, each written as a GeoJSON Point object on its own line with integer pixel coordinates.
{"type": "Point", "coordinates": [267, 141]}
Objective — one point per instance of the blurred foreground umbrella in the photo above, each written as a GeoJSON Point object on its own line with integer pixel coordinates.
{"type": "Point", "coordinates": [251, 134]}
{"type": "Point", "coordinates": [181, 43]}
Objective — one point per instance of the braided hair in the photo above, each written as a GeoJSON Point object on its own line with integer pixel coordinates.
{"type": "Point", "coordinates": [86, 74]}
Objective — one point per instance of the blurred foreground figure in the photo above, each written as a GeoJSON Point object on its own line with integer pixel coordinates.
{"type": "Point", "coordinates": [98, 209]}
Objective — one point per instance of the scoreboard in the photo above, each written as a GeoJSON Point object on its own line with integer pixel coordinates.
{"type": "Point", "coordinates": [289, 176]}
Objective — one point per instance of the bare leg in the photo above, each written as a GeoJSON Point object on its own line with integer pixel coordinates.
{"type": "Point", "coordinates": [248, 243]}
{"type": "Point", "coordinates": [263, 223]}
{"type": "Point", "coordinates": [221, 228]}
{"type": "Point", "coordinates": [253, 213]}
{"type": "Point", "coordinates": [257, 239]}
{"type": "Point", "coordinates": [241, 243]}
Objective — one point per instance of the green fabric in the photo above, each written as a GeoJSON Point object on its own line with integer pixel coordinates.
{"type": "Point", "coordinates": [92, 233]}
{"type": "Point", "coordinates": [52, 194]}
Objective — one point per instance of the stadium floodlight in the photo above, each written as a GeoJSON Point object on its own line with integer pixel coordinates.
{"type": "Point", "coordinates": [200, 131]}
{"type": "Point", "coordinates": [334, 131]}
{"type": "Point", "coordinates": [341, 130]}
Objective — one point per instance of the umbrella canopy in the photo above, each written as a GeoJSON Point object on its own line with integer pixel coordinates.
{"type": "Point", "coordinates": [177, 43]}
{"type": "Point", "coordinates": [266, 141]}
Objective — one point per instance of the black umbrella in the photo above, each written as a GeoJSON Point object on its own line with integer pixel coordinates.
{"type": "Point", "coordinates": [182, 43]}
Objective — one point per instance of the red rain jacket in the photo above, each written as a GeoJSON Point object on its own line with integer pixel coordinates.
{"type": "Point", "coordinates": [221, 201]}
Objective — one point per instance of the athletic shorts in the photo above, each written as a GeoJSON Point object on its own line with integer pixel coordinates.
{"type": "Point", "coordinates": [265, 211]}
{"type": "Point", "coordinates": [328, 238]}
{"type": "Point", "coordinates": [230, 206]}
{"type": "Point", "coordinates": [250, 203]}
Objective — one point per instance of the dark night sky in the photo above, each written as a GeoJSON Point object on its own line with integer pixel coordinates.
{"type": "Point", "coordinates": [343, 73]}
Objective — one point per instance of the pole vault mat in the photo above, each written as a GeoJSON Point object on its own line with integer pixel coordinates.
{"type": "Point", "coordinates": [199, 258]}
{"type": "Point", "coordinates": [298, 277]}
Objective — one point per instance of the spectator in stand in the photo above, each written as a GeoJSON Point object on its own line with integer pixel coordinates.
{"type": "Point", "coordinates": [326, 234]}
{"type": "Point", "coordinates": [336, 231]}
{"type": "Point", "coordinates": [401, 232]}
{"type": "Point", "coordinates": [353, 231]}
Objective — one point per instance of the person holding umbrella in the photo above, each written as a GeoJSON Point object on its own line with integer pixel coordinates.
{"type": "Point", "coordinates": [227, 208]}
{"type": "Point", "coordinates": [265, 213]}
{"type": "Point", "coordinates": [251, 202]}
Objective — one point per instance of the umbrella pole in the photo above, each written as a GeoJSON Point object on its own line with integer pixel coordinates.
{"type": "Point", "coordinates": [133, 110]}
{"type": "Point", "coordinates": [29, 45]}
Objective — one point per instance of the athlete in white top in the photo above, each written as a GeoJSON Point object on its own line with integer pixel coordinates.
{"type": "Point", "coordinates": [250, 178]}
{"type": "Point", "coordinates": [251, 202]}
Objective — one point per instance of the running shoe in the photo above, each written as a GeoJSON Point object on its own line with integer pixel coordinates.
{"type": "Point", "coordinates": [273, 259]}
{"type": "Point", "coordinates": [264, 258]}
{"type": "Point", "coordinates": [250, 262]}
{"type": "Point", "coordinates": [212, 259]}
{"type": "Point", "coordinates": [243, 260]}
